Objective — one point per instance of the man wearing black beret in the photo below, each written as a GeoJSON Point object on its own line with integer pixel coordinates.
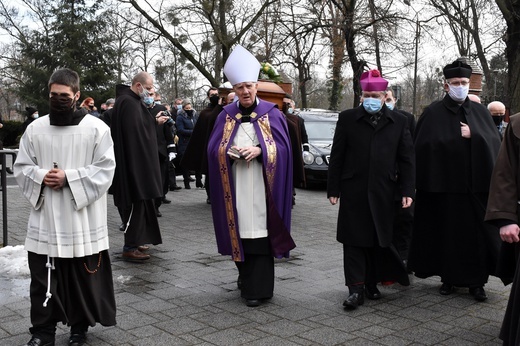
{"type": "Point", "coordinates": [456, 144]}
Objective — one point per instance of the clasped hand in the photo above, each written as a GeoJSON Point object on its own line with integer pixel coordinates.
{"type": "Point", "coordinates": [248, 153]}
{"type": "Point", "coordinates": [55, 179]}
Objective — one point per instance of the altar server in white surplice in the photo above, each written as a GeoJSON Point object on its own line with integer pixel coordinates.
{"type": "Point", "coordinates": [64, 168]}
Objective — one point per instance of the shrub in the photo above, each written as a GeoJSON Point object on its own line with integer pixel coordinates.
{"type": "Point", "coordinates": [10, 133]}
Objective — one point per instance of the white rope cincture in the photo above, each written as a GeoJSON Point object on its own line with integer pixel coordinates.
{"type": "Point", "coordinates": [49, 266]}
{"type": "Point", "coordinates": [129, 218]}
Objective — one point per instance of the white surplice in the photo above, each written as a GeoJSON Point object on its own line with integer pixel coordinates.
{"type": "Point", "coordinates": [71, 222]}
{"type": "Point", "coordinates": [250, 188]}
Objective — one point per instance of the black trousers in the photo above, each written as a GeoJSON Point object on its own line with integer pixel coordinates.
{"type": "Point", "coordinates": [163, 166]}
{"type": "Point", "coordinates": [206, 184]}
{"type": "Point", "coordinates": [172, 174]}
{"type": "Point", "coordinates": [257, 271]}
{"type": "Point", "coordinates": [359, 267]}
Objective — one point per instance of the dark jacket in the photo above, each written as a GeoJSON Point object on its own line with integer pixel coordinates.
{"type": "Point", "coordinates": [362, 172]}
{"type": "Point", "coordinates": [185, 126]}
{"type": "Point", "coordinates": [195, 157]}
{"type": "Point", "coordinates": [164, 133]}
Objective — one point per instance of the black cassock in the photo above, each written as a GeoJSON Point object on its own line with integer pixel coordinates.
{"type": "Point", "coordinates": [450, 238]}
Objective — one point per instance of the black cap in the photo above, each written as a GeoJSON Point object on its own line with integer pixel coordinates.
{"type": "Point", "coordinates": [30, 111]}
{"type": "Point", "coordinates": [457, 69]}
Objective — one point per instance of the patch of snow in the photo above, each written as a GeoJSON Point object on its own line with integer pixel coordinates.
{"type": "Point", "coordinates": [13, 262]}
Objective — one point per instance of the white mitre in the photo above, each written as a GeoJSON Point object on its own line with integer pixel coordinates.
{"type": "Point", "coordinates": [241, 66]}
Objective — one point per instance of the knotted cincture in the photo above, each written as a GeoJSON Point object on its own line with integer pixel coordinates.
{"type": "Point", "coordinates": [129, 218]}
{"type": "Point", "coordinates": [49, 266]}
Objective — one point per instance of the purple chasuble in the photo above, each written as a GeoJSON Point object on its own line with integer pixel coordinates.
{"type": "Point", "coordinates": [271, 129]}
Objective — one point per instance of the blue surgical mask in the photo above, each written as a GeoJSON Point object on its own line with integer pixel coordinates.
{"type": "Point", "coordinates": [290, 111]}
{"type": "Point", "coordinates": [148, 100]}
{"type": "Point", "coordinates": [157, 102]}
{"type": "Point", "coordinates": [372, 105]}
{"type": "Point", "coordinates": [389, 105]}
{"type": "Point", "coordinates": [179, 107]}
{"type": "Point", "coordinates": [458, 93]}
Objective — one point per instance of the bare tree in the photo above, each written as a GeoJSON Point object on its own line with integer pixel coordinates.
{"type": "Point", "coordinates": [464, 20]}
{"type": "Point", "coordinates": [207, 13]}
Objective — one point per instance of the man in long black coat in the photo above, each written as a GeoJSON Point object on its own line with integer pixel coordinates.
{"type": "Point", "coordinates": [369, 142]}
{"type": "Point", "coordinates": [403, 223]}
{"type": "Point", "coordinates": [137, 179]}
{"type": "Point", "coordinates": [456, 145]}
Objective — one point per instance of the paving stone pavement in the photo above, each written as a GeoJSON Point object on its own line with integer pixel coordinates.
{"type": "Point", "coordinates": [186, 294]}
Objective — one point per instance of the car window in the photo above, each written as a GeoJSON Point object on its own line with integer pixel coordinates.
{"type": "Point", "coordinates": [319, 130]}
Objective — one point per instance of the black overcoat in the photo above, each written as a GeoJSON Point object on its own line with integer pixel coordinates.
{"type": "Point", "coordinates": [133, 127]}
{"type": "Point", "coordinates": [362, 172]}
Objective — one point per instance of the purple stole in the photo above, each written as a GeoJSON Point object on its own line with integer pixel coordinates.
{"type": "Point", "coordinates": [271, 130]}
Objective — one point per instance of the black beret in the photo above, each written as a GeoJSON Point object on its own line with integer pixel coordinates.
{"type": "Point", "coordinates": [457, 69]}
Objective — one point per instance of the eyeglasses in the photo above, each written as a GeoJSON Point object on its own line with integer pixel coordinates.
{"type": "Point", "coordinates": [459, 83]}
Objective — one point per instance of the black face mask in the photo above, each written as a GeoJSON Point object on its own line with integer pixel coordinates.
{"type": "Point", "coordinates": [61, 110]}
{"type": "Point", "coordinates": [190, 112]}
{"type": "Point", "coordinates": [497, 119]}
{"type": "Point", "coordinates": [214, 100]}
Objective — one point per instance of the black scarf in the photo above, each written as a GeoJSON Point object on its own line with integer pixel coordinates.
{"type": "Point", "coordinates": [63, 111]}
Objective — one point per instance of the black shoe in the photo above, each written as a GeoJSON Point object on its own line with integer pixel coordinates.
{"type": "Point", "coordinates": [158, 213]}
{"type": "Point", "coordinates": [478, 293]}
{"type": "Point", "coordinates": [253, 302]}
{"type": "Point", "coordinates": [199, 184]}
{"type": "Point", "coordinates": [77, 339]}
{"type": "Point", "coordinates": [39, 342]}
{"type": "Point", "coordinates": [187, 186]}
{"type": "Point", "coordinates": [372, 292]}
{"type": "Point", "coordinates": [353, 301]}
{"type": "Point", "coordinates": [446, 289]}
{"type": "Point", "coordinates": [175, 188]}
{"type": "Point", "coordinates": [122, 227]}
{"type": "Point", "coordinates": [166, 200]}
{"type": "Point", "coordinates": [208, 201]}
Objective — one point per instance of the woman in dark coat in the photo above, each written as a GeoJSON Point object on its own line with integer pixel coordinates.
{"type": "Point", "coordinates": [186, 120]}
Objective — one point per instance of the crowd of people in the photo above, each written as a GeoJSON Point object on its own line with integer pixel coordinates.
{"type": "Point", "coordinates": [434, 198]}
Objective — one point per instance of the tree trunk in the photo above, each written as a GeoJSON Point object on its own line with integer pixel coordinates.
{"type": "Point", "coordinates": [338, 55]}
{"type": "Point", "coordinates": [510, 10]}
{"type": "Point", "coordinates": [356, 64]}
